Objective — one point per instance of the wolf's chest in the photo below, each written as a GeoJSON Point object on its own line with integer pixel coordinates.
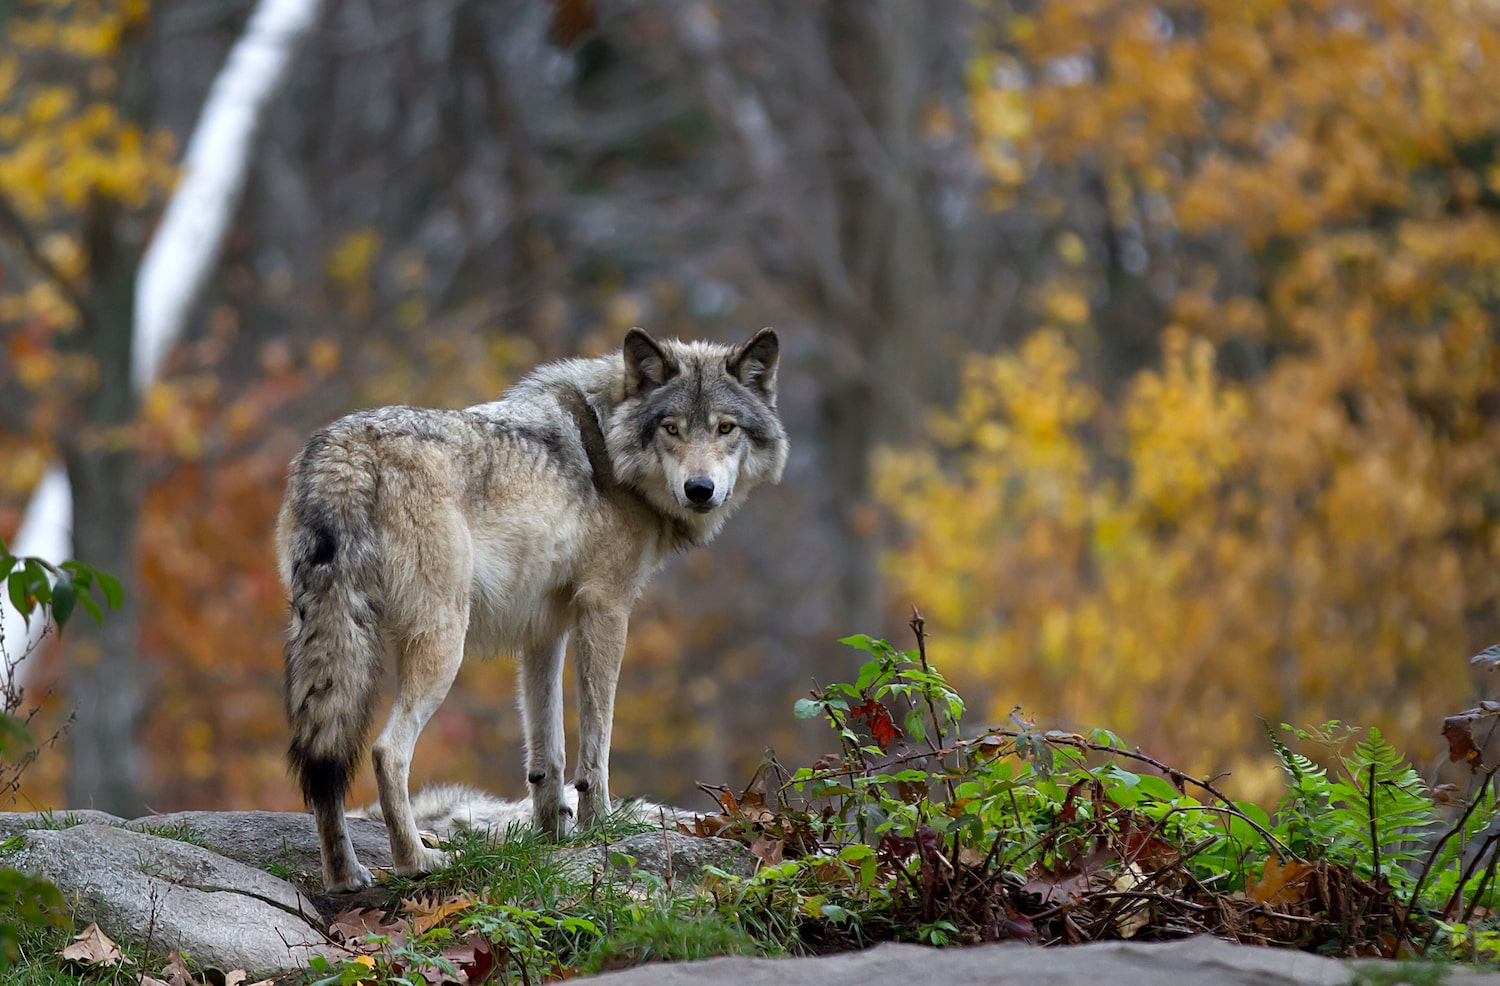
{"type": "Point", "coordinates": [520, 592]}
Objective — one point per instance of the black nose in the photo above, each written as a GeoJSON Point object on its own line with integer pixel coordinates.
{"type": "Point", "coordinates": [699, 489]}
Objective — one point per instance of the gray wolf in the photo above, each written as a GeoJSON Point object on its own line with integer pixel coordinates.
{"type": "Point", "coordinates": [512, 526]}
{"type": "Point", "coordinates": [449, 809]}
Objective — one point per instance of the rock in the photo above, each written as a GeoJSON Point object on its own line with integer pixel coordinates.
{"type": "Point", "coordinates": [12, 822]}
{"type": "Point", "coordinates": [1203, 961]}
{"type": "Point", "coordinates": [169, 896]}
{"type": "Point", "coordinates": [688, 856]}
{"type": "Point", "coordinates": [267, 838]}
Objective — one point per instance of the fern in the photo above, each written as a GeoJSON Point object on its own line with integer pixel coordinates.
{"type": "Point", "coordinates": [1303, 812]}
{"type": "Point", "coordinates": [1397, 802]}
{"type": "Point", "coordinates": [1330, 816]}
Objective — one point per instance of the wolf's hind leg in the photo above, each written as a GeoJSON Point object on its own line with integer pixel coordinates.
{"type": "Point", "coordinates": [542, 710]}
{"type": "Point", "coordinates": [341, 870]}
{"type": "Point", "coordinates": [426, 665]}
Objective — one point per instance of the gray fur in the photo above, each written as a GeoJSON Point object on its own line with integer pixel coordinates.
{"type": "Point", "coordinates": [446, 810]}
{"type": "Point", "coordinates": [509, 526]}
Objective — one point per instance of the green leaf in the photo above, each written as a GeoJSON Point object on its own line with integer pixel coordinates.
{"type": "Point", "coordinates": [113, 593]}
{"type": "Point", "coordinates": [63, 598]}
{"type": "Point", "coordinates": [13, 734]}
{"type": "Point", "coordinates": [92, 607]}
{"type": "Point", "coordinates": [16, 584]}
{"type": "Point", "coordinates": [807, 708]}
{"type": "Point", "coordinates": [836, 914]}
{"type": "Point", "coordinates": [867, 643]}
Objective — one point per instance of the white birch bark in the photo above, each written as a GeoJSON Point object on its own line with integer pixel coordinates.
{"type": "Point", "coordinates": [185, 250]}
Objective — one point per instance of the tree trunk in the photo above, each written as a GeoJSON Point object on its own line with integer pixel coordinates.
{"type": "Point", "coordinates": [106, 679]}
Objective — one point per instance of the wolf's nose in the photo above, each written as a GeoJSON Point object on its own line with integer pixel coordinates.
{"type": "Point", "coordinates": [699, 489]}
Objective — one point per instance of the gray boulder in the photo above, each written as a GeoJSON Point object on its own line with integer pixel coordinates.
{"type": "Point", "coordinates": [267, 838]}
{"type": "Point", "coordinates": [172, 896]}
{"type": "Point", "coordinates": [12, 822]}
{"type": "Point", "coordinates": [662, 854]}
{"type": "Point", "coordinates": [1203, 961]}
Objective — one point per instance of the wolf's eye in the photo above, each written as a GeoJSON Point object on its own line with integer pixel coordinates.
{"type": "Point", "coordinates": [725, 427]}
{"type": "Point", "coordinates": [669, 428]}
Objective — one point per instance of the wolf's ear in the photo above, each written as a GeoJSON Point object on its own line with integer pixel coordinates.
{"type": "Point", "coordinates": [647, 365]}
{"type": "Point", "coordinates": [754, 363]}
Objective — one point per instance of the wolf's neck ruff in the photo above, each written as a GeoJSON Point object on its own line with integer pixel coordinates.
{"type": "Point", "coordinates": [516, 526]}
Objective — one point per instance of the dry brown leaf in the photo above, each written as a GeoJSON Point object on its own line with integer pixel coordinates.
{"type": "Point", "coordinates": [235, 977]}
{"type": "Point", "coordinates": [177, 972]}
{"type": "Point", "coordinates": [351, 926]}
{"type": "Point", "coordinates": [1135, 917]}
{"type": "Point", "coordinates": [426, 915]}
{"type": "Point", "coordinates": [767, 849]}
{"type": "Point", "coordinates": [92, 947]}
{"type": "Point", "coordinates": [1279, 882]}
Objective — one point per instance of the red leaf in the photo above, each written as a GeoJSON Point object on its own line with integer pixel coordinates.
{"type": "Point", "coordinates": [882, 727]}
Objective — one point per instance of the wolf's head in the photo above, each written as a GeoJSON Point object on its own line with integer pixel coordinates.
{"type": "Point", "coordinates": [696, 426]}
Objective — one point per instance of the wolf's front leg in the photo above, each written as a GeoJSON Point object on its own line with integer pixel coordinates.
{"type": "Point", "coordinates": [600, 649]}
{"type": "Point", "coordinates": [542, 710]}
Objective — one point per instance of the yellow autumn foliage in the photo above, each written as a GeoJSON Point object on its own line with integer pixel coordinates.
{"type": "Point", "coordinates": [1317, 533]}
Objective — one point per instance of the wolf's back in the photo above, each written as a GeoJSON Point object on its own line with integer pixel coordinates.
{"type": "Point", "coordinates": [330, 559]}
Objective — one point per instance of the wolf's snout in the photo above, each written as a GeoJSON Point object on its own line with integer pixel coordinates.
{"type": "Point", "coordinates": [699, 489]}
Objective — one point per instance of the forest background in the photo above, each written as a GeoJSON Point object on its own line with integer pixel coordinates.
{"type": "Point", "coordinates": [1149, 348]}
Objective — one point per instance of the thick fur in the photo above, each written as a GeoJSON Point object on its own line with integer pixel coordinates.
{"type": "Point", "coordinates": [446, 810]}
{"type": "Point", "coordinates": [511, 527]}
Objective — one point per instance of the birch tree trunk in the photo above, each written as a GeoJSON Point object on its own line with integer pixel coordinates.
{"type": "Point", "coordinates": [133, 315]}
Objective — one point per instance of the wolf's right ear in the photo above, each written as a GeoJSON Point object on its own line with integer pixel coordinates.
{"type": "Point", "coordinates": [647, 365]}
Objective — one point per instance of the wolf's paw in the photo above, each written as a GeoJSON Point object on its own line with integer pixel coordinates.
{"type": "Point", "coordinates": [427, 861]}
{"type": "Point", "coordinates": [593, 807]}
{"type": "Point", "coordinates": [357, 878]}
{"type": "Point", "coordinates": [553, 821]}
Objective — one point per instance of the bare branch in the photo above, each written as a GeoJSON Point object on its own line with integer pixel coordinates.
{"type": "Point", "coordinates": [20, 233]}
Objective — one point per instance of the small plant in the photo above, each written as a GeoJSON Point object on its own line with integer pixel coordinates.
{"type": "Point", "coordinates": [913, 831]}
{"type": "Point", "coordinates": [37, 589]}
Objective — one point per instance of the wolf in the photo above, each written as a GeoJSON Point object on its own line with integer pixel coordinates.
{"type": "Point", "coordinates": [512, 526]}
{"type": "Point", "coordinates": [447, 810]}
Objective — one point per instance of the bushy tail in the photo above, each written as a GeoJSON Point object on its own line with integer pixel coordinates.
{"type": "Point", "coordinates": [333, 659]}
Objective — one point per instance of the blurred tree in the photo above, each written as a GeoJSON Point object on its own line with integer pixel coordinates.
{"type": "Point", "coordinates": [79, 170]}
{"type": "Point", "coordinates": [115, 321]}
{"type": "Point", "coordinates": [1295, 510]}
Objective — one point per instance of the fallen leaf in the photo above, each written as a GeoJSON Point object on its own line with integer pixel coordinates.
{"type": "Point", "coordinates": [92, 947]}
{"type": "Point", "coordinates": [767, 849]}
{"type": "Point", "coordinates": [1278, 883]}
{"type": "Point", "coordinates": [177, 972]}
{"type": "Point", "coordinates": [352, 926]}
{"type": "Point", "coordinates": [235, 978]}
{"type": "Point", "coordinates": [426, 915]}
{"type": "Point", "coordinates": [1136, 916]}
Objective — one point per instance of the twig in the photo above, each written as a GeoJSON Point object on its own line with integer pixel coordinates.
{"type": "Point", "coordinates": [1438, 848]}
{"type": "Point", "coordinates": [666, 845]}
{"type": "Point", "coordinates": [1463, 878]}
{"type": "Point", "coordinates": [13, 224]}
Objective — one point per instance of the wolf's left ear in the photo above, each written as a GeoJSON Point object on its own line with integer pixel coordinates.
{"type": "Point", "coordinates": [754, 363]}
{"type": "Point", "coordinates": [647, 365]}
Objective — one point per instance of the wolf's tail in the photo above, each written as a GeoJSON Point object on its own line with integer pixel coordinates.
{"type": "Point", "coordinates": [333, 657]}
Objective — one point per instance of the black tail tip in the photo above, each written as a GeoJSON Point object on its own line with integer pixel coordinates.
{"type": "Point", "coordinates": [323, 778]}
